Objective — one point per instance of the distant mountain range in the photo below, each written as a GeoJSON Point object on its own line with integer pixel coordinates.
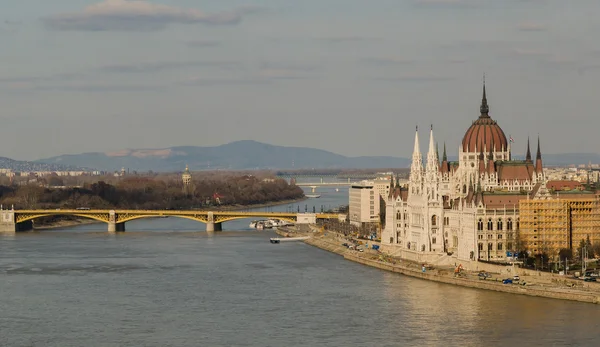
{"type": "Point", "coordinates": [29, 166]}
{"type": "Point", "coordinates": [239, 155]}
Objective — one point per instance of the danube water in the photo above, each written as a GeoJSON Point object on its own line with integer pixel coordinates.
{"type": "Point", "coordinates": [165, 282]}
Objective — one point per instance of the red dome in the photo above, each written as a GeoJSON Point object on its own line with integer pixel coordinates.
{"type": "Point", "coordinates": [484, 133]}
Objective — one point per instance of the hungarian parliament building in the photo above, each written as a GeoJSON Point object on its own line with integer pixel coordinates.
{"type": "Point", "coordinates": [466, 209]}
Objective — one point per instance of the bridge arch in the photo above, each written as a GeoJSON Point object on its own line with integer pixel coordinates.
{"type": "Point", "coordinates": [27, 217]}
{"type": "Point", "coordinates": [230, 218]}
{"type": "Point", "coordinates": [201, 219]}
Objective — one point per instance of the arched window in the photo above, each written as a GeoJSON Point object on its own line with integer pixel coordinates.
{"type": "Point", "coordinates": [391, 240]}
{"type": "Point", "coordinates": [480, 224]}
{"type": "Point", "coordinates": [422, 248]}
{"type": "Point", "coordinates": [518, 223]}
{"type": "Point", "coordinates": [509, 224]}
{"type": "Point", "coordinates": [433, 240]}
{"type": "Point", "coordinates": [434, 220]}
{"type": "Point", "coordinates": [490, 246]}
{"type": "Point", "coordinates": [500, 246]}
{"type": "Point", "coordinates": [465, 189]}
{"type": "Point", "coordinates": [490, 224]}
{"type": "Point", "coordinates": [481, 246]}
{"type": "Point", "coordinates": [499, 224]}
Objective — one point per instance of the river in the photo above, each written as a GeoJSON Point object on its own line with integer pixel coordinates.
{"type": "Point", "coordinates": [165, 282]}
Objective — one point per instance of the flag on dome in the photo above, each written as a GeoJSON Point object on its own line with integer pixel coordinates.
{"type": "Point", "coordinates": [511, 139]}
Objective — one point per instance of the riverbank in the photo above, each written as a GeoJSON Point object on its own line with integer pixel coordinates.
{"type": "Point", "coordinates": [555, 287]}
{"type": "Point", "coordinates": [85, 221]}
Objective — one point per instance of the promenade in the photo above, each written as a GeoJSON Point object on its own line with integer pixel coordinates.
{"type": "Point", "coordinates": [532, 283]}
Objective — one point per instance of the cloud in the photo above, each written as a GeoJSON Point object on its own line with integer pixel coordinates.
{"type": "Point", "coordinates": [390, 61]}
{"type": "Point", "coordinates": [447, 3]}
{"type": "Point", "coordinates": [343, 39]}
{"type": "Point", "coordinates": [10, 26]}
{"type": "Point", "coordinates": [138, 15]}
{"type": "Point", "coordinates": [166, 65]}
{"type": "Point", "coordinates": [212, 82]}
{"type": "Point", "coordinates": [529, 52]}
{"type": "Point", "coordinates": [203, 43]}
{"type": "Point", "coordinates": [272, 70]}
{"type": "Point", "coordinates": [99, 88]}
{"type": "Point", "coordinates": [415, 79]}
{"type": "Point", "coordinates": [36, 79]}
{"type": "Point", "coordinates": [531, 27]}
{"type": "Point", "coordinates": [583, 70]}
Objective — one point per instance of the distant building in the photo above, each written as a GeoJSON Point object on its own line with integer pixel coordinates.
{"type": "Point", "coordinates": [186, 177]}
{"type": "Point", "coordinates": [364, 202]}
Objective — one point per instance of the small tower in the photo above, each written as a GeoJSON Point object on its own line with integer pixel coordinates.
{"type": "Point", "coordinates": [186, 177]}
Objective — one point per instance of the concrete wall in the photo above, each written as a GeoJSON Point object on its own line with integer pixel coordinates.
{"type": "Point", "coordinates": [306, 218]}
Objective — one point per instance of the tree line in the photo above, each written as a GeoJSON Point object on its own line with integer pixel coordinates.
{"type": "Point", "coordinates": [152, 192]}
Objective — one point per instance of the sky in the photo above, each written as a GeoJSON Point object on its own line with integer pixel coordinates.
{"type": "Point", "coordinates": [350, 76]}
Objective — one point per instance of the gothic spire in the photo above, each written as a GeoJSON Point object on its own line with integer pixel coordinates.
{"type": "Point", "coordinates": [416, 149]}
{"type": "Point", "coordinates": [528, 156]}
{"type": "Point", "coordinates": [538, 159]}
{"type": "Point", "coordinates": [444, 156]}
{"type": "Point", "coordinates": [484, 108]}
{"type": "Point", "coordinates": [433, 160]}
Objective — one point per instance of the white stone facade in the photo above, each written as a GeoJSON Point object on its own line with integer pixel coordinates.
{"type": "Point", "coordinates": [465, 210]}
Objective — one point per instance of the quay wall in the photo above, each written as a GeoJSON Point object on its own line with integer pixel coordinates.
{"type": "Point", "coordinates": [446, 277]}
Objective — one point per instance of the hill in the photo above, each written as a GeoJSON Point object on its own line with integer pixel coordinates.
{"type": "Point", "coordinates": [28, 166]}
{"type": "Point", "coordinates": [239, 155]}
{"type": "Point", "coordinates": [244, 155]}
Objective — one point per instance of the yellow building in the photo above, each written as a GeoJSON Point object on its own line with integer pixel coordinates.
{"type": "Point", "coordinates": [547, 226]}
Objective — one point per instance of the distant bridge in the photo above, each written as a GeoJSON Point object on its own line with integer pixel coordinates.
{"type": "Point", "coordinates": [21, 220]}
{"type": "Point", "coordinates": [314, 186]}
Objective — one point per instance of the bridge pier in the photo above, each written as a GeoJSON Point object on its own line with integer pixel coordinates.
{"type": "Point", "coordinates": [8, 224]}
{"type": "Point", "coordinates": [212, 227]}
{"type": "Point", "coordinates": [116, 227]}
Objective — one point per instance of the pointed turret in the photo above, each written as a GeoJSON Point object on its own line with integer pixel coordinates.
{"type": "Point", "coordinates": [538, 158]}
{"type": "Point", "coordinates": [433, 165]}
{"type": "Point", "coordinates": [490, 165]}
{"type": "Point", "coordinates": [481, 162]}
{"type": "Point", "coordinates": [444, 156]}
{"type": "Point", "coordinates": [484, 108]}
{"type": "Point", "coordinates": [416, 168]}
{"type": "Point", "coordinates": [444, 168]}
{"type": "Point", "coordinates": [528, 155]}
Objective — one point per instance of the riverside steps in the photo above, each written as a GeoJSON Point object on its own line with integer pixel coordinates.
{"type": "Point", "coordinates": [12, 221]}
{"type": "Point", "coordinates": [535, 283]}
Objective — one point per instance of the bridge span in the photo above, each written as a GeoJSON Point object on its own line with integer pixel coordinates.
{"type": "Point", "coordinates": [12, 221]}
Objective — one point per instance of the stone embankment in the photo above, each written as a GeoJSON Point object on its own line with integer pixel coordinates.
{"type": "Point", "coordinates": [548, 286]}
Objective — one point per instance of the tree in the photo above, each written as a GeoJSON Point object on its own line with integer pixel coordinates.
{"type": "Point", "coordinates": [564, 254]}
{"type": "Point", "coordinates": [588, 245]}
{"type": "Point", "coordinates": [596, 248]}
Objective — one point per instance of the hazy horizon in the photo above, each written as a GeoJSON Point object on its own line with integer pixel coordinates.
{"type": "Point", "coordinates": [346, 76]}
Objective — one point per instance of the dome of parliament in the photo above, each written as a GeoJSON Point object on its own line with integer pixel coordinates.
{"type": "Point", "coordinates": [484, 135]}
